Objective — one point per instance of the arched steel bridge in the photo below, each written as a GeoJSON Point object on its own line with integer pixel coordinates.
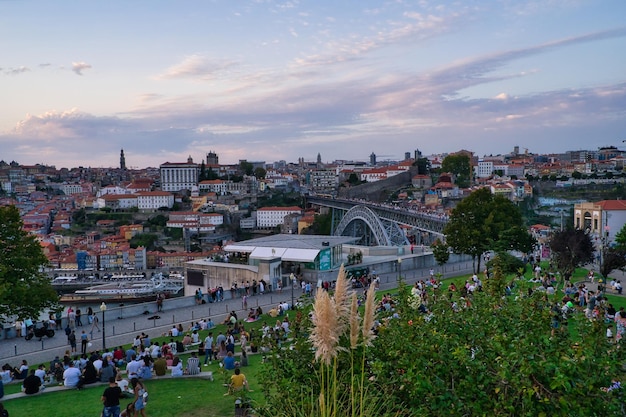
{"type": "Point", "coordinates": [378, 224]}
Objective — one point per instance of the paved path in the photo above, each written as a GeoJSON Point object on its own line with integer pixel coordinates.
{"type": "Point", "coordinates": [121, 331]}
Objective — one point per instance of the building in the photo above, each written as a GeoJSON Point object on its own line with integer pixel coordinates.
{"type": "Point", "coordinates": [270, 217]}
{"type": "Point", "coordinates": [201, 222]}
{"type": "Point", "coordinates": [602, 219]}
{"type": "Point", "coordinates": [323, 179]}
{"type": "Point", "coordinates": [154, 200]}
{"type": "Point", "coordinates": [178, 176]}
{"type": "Point", "coordinates": [271, 259]}
{"type": "Point", "coordinates": [117, 201]}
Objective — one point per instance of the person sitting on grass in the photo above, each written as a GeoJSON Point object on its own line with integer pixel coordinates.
{"type": "Point", "coordinates": [32, 384]}
{"type": "Point", "coordinates": [124, 385]}
{"type": "Point", "coordinates": [238, 382]}
{"type": "Point", "coordinates": [229, 361]}
{"type": "Point", "coordinates": [193, 364]}
{"type": "Point", "coordinates": [177, 367]}
{"type": "Point", "coordinates": [160, 366]}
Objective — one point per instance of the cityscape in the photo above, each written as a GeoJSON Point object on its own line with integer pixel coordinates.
{"type": "Point", "coordinates": [216, 202]}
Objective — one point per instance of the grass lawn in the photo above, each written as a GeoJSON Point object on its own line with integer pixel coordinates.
{"type": "Point", "coordinates": [168, 397]}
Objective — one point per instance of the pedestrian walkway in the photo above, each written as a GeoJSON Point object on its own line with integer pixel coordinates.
{"type": "Point", "coordinates": [122, 331]}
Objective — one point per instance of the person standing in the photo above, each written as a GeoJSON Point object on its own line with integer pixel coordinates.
{"type": "Point", "coordinates": [139, 390]}
{"type": "Point", "coordinates": [83, 342]}
{"type": "Point", "coordinates": [71, 338]}
{"type": "Point", "coordinates": [111, 399]}
{"type": "Point", "coordinates": [78, 318]}
{"type": "Point", "coordinates": [71, 317]}
{"type": "Point", "coordinates": [208, 349]}
{"type": "Point", "coordinates": [94, 322]}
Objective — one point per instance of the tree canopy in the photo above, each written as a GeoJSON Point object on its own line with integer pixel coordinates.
{"type": "Point", "coordinates": [570, 249]}
{"type": "Point", "coordinates": [441, 253]}
{"type": "Point", "coordinates": [494, 356]}
{"type": "Point", "coordinates": [423, 165]}
{"type": "Point", "coordinates": [460, 166]}
{"type": "Point", "coordinates": [482, 222]}
{"type": "Point", "coordinates": [24, 290]}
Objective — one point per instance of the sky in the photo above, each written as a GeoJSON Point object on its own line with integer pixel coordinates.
{"type": "Point", "coordinates": [266, 80]}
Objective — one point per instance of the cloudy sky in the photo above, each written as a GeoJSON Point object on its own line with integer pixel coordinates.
{"type": "Point", "coordinates": [266, 80]}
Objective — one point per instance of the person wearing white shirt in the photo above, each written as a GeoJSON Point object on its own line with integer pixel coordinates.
{"type": "Point", "coordinates": [41, 373]}
{"type": "Point", "coordinates": [97, 364]}
{"type": "Point", "coordinates": [71, 376]}
{"type": "Point", "coordinates": [174, 332]}
{"type": "Point", "coordinates": [133, 367]}
{"type": "Point", "coordinates": [155, 350]}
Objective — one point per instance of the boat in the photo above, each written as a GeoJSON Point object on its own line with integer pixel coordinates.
{"type": "Point", "coordinates": [127, 291]}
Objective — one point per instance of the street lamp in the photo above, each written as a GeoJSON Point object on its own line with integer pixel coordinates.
{"type": "Point", "coordinates": [103, 308]}
{"type": "Point", "coordinates": [399, 269]}
{"type": "Point", "coordinates": [292, 277]}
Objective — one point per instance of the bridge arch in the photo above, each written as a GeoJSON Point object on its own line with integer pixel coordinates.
{"type": "Point", "coordinates": [385, 233]}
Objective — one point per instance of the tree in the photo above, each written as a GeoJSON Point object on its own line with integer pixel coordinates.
{"type": "Point", "coordinates": [211, 175]}
{"type": "Point", "coordinates": [322, 224]}
{"type": "Point", "coordinates": [441, 253]}
{"type": "Point", "coordinates": [570, 249]}
{"type": "Point", "coordinates": [246, 167]}
{"type": "Point", "coordinates": [620, 238]}
{"type": "Point", "coordinates": [494, 357]}
{"type": "Point", "coordinates": [459, 165]}
{"type": "Point", "coordinates": [353, 179]}
{"type": "Point", "coordinates": [260, 173]}
{"type": "Point", "coordinates": [612, 259]}
{"type": "Point", "coordinates": [482, 222]}
{"type": "Point", "coordinates": [423, 166]}
{"type": "Point", "coordinates": [203, 174]}
{"type": "Point", "coordinates": [146, 240]}
{"type": "Point", "coordinates": [24, 290]}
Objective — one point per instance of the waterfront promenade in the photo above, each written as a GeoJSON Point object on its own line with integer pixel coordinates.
{"type": "Point", "coordinates": [122, 325]}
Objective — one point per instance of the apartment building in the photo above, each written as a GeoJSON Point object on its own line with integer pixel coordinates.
{"type": "Point", "coordinates": [269, 217]}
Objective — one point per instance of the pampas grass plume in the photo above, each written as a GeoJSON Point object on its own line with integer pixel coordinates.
{"type": "Point", "coordinates": [354, 322]}
{"type": "Point", "coordinates": [368, 316]}
{"type": "Point", "coordinates": [324, 334]}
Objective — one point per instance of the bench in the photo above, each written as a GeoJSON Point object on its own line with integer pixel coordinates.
{"type": "Point", "coordinates": [208, 375]}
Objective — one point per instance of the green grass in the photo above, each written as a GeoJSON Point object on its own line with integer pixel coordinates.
{"type": "Point", "coordinates": [168, 397]}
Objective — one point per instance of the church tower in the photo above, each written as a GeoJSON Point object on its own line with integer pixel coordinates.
{"type": "Point", "coordinates": [122, 161]}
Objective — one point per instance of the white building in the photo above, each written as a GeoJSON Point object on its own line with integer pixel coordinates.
{"type": "Point", "coordinates": [214, 186]}
{"type": "Point", "coordinates": [154, 200]}
{"type": "Point", "coordinates": [117, 202]}
{"type": "Point", "coordinates": [269, 217]}
{"type": "Point", "coordinates": [177, 176]}
{"type": "Point", "coordinates": [69, 189]}
{"type": "Point", "coordinates": [203, 222]}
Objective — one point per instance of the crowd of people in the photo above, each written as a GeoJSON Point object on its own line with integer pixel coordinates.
{"type": "Point", "coordinates": [125, 369]}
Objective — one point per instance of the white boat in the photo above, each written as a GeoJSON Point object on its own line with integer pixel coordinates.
{"type": "Point", "coordinates": [130, 291]}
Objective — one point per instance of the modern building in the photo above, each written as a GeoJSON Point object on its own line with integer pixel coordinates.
{"type": "Point", "coordinates": [271, 259]}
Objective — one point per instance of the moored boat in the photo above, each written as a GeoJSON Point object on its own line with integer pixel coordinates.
{"type": "Point", "coordinates": [126, 291]}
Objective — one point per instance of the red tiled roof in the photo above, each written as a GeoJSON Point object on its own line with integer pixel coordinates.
{"type": "Point", "coordinates": [612, 204]}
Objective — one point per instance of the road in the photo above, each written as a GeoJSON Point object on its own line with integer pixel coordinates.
{"type": "Point", "coordinates": [121, 331]}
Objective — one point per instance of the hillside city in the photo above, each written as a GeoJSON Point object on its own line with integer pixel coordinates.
{"type": "Point", "coordinates": [107, 219]}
